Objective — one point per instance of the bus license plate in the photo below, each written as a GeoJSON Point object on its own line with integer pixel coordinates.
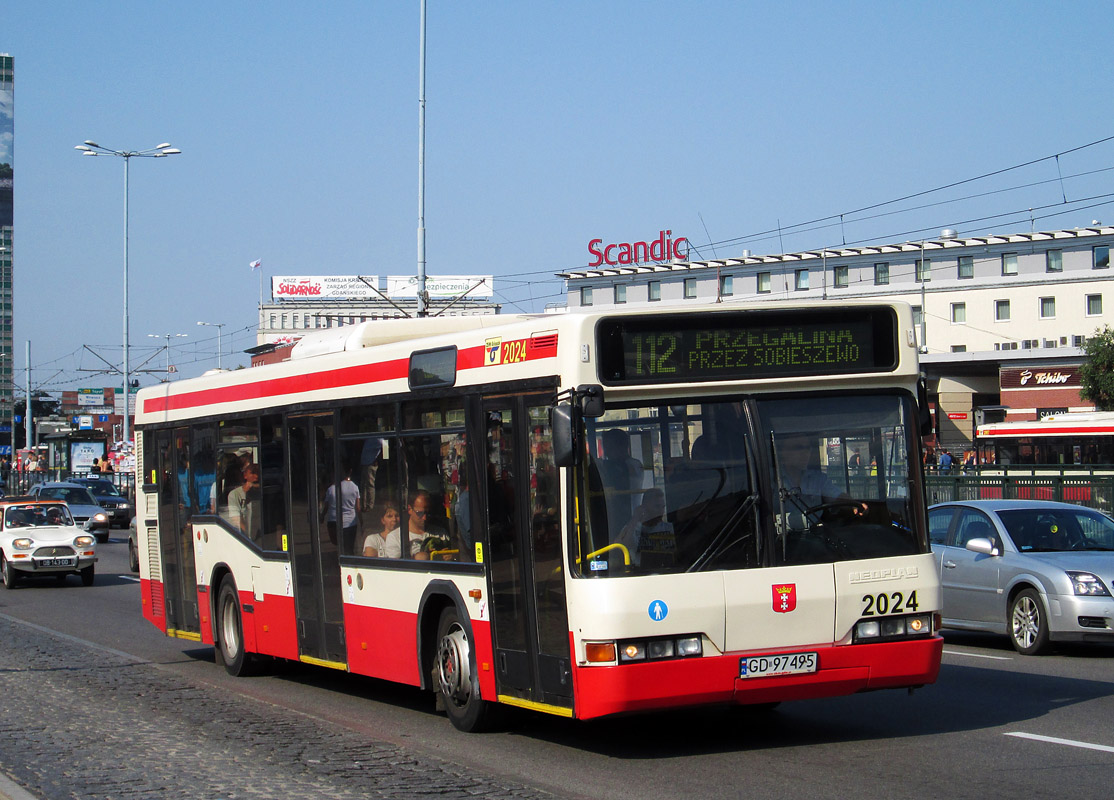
{"type": "Point", "coordinates": [55, 562]}
{"type": "Point", "coordinates": [781, 664]}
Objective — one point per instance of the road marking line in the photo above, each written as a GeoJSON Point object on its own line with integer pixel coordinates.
{"type": "Point", "coordinates": [129, 578]}
{"type": "Point", "coordinates": [973, 655]}
{"type": "Point", "coordinates": [1069, 742]}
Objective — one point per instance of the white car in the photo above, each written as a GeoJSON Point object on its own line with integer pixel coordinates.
{"type": "Point", "coordinates": [38, 537]}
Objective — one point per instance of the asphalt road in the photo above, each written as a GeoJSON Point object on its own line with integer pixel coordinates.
{"type": "Point", "coordinates": [995, 725]}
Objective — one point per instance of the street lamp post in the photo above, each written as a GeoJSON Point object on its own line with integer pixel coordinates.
{"type": "Point", "coordinates": [89, 148]}
{"type": "Point", "coordinates": [218, 326]}
{"type": "Point", "coordinates": [168, 337]}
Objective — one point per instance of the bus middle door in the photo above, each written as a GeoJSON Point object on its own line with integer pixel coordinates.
{"type": "Point", "coordinates": [528, 612]}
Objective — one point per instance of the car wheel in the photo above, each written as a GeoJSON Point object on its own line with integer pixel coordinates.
{"type": "Point", "coordinates": [1027, 624]}
{"type": "Point", "coordinates": [102, 536]}
{"type": "Point", "coordinates": [10, 576]}
{"type": "Point", "coordinates": [88, 575]}
{"type": "Point", "coordinates": [230, 630]}
{"type": "Point", "coordinates": [456, 676]}
{"type": "Point", "coordinates": [133, 557]}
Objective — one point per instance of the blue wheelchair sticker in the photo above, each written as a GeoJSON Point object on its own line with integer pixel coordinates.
{"type": "Point", "coordinates": [658, 610]}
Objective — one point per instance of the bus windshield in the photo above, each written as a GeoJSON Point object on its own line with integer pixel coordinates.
{"type": "Point", "coordinates": [748, 482]}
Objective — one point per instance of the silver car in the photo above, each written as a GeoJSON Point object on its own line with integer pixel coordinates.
{"type": "Point", "coordinates": [1036, 571]}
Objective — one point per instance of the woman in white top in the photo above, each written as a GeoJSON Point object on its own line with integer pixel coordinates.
{"type": "Point", "coordinates": [387, 543]}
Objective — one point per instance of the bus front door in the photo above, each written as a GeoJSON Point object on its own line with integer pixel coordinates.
{"type": "Point", "coordinates": [176, 506]}
{"type": "Point", "coordinates": [528, 613]}
{"type": "Point", "coordinates": [317, 593]}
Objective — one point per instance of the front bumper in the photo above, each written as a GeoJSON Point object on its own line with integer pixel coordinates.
{"type": "Point", "coordinates": [46, 566]}
{"type": "Point", "coordinates": [1080, 619]}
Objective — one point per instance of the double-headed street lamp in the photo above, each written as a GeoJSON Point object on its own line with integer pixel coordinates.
{"type": "Point", "coordinates": [168, 337]}
{"type": "Point", "coordinates": [89, 148]}
{"type": "Point", "coordinates": [218, 326]}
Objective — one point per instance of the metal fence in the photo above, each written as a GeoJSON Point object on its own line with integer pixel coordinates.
{"type": "Point", "coordinates": [1092, 487]}
{"type": "Point", "coordinates": [20, 482]}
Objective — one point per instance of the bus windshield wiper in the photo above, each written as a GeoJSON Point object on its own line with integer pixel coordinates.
{"type": "Point", "coordinates": [719, 543]}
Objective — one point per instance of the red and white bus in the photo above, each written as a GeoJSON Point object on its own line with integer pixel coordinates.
{"type": "Point", "coordinates": [581, 514]}
{"type": "Point", "coordinates": [1075, 437]}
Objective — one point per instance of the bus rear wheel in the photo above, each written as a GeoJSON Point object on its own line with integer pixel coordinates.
{"type": "Point", "coordinates": [230, 631]}
{"type": "Point", "coordinates": [456, 677]}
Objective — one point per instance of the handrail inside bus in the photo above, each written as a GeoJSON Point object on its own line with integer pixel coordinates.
{"type": "Point", "coordinates": [623, 547]}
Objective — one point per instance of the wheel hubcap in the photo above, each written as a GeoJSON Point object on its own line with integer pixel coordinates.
{"type": "Point", "coordinates": [452, 665]}
{"type": "Point", "coordinates": [1026, 621]}
{"type": "Point", "coordinates": [230, 635]}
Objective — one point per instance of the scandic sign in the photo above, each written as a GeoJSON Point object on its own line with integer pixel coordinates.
{"type": "Point", "coordinates": [664, 248]}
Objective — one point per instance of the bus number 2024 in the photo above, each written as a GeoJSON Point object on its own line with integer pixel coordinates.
{"type": "Point", "coordinates": [892, 603]}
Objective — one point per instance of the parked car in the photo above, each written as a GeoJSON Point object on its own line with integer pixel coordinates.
{"type": "Point", "coordinates": [39, 537]}
{"type": "Point", "coordinates": [1037, 571]}
{"type": "Point", "coordinates": [83, 506]}
{"type": "Point", "coordinates": [108, 497]}
{"type": "Point", "coordinates": [133, 547]}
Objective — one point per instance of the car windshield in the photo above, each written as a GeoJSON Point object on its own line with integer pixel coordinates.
{"type": "Point", "coordinates": [102, 487]}
{"type": "Point", "coordinates": [36, 516]}
{"type": "Point", "coordinates": [732, 484]}
{"type": "Point", "coordinates": [70, 494]}
{"type": "Point", "coordinates": [1045, 530]}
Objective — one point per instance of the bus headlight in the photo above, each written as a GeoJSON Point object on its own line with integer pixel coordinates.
{"type": "Point", "coordinates": [890, 628]}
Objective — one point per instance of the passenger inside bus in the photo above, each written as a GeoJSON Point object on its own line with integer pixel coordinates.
{"type": "Point", "coordinates": [427, 539]}
{"type": "Point", "coordinates": [649, 537]}
{"type": "Point", "coordinates": [386, 542]}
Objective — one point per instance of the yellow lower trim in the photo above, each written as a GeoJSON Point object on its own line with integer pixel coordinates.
{"type": "Point", "coordinates": [320, 662]}
{"type": "Point", "coordinates": [193, 637]}
{"type": "Point", "coordinates": [545, 708]}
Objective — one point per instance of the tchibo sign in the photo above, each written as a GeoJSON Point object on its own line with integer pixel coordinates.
{"type": "Point", "coordinates": [664, 248]}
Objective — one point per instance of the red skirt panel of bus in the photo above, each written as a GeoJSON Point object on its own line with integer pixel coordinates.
{"type": "Point", "coordinates": [843, 670]}
{"type": "Point", "coordinates": [383, 644]}
{"type": "Point", "coordinates": [154, 604]}
{"type": "Point", "coordinates": [271, 628]}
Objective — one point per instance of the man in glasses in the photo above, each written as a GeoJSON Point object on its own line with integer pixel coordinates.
{"type": "Point", "coordinates": [423, 535]}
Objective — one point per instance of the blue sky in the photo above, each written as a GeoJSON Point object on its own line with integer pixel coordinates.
{"type": "Point", "coordinates": [548, 124]}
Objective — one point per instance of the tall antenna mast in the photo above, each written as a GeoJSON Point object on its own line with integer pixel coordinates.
{"type": "Point", "coordinates": [421, 166]}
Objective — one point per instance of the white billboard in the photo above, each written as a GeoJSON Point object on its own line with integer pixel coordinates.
{"type": "Point", "coordinates": [311, 287]}
{"type": "Point", "coordinates": [443, 287]}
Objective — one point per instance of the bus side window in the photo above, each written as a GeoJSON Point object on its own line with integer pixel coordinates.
{"type": "Point", "coordinates": [433, 484]}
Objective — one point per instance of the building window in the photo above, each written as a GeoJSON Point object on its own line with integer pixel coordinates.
{"type": "Point", "coordinates": [690, 288]}
{"type": "Point", "coordinates": [959, 348]}
{"type": "Point", "coordinates": [959, 313]}
{"type": "Point", "coordinates": [1054, 261]}
{"type": "Point", "coordinates": [881, 274]}
{"type": "Point", "coordinates": [654, 288]}
{"type": "Point", "coordinates": [726, 285]}
{"type": "Point", "coordinates": [1001, 310]}
{"type": "Point", "coordinates": [1094, 305]}
{"type": "Point", "coordinates": [585, 295]}
{"type": "Point", "coordinates": [966, 267]}
{"type": "Point", "coordinates": [800, 279]}
{"type": "Point", "coordinates": [763, 282]}
{"type": "Point", "coordinates": [1048, 308]}
{"type": "Point", "coordinates": [923, 269]}
{"type": "Point", "coordinates": [620, 293]}
{"type": "Point", "coordinates": [1009, 263]}
{"type": "Point", "coordinates": [1102, 257]}
{"type": "Point", "coordinates": [841, 277]}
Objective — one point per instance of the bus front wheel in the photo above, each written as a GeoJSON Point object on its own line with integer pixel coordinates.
{"type": "Point", "coordinates": [456, 677]}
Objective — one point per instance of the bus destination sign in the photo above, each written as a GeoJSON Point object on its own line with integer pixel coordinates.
{"type": "Point", "coordinates": [739, 345]}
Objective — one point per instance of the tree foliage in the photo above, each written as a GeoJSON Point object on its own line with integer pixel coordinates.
{"type": "Point", "coordinates": [1097, 373]}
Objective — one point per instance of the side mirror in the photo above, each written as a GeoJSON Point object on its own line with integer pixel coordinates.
{"type": "Point", "coordinates": [564, 422]}
{"type": "Point", "coordinates": [591, 399]}
{"type": "Point", "coordinates": [981, 545]}
{"type": "Point", "coordinates": [924, 415]}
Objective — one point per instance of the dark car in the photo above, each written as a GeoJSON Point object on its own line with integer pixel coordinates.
{"type": "Point", "coordinates": [108, 496]}
{"type": "Point", "coordinates": [87, 513]}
